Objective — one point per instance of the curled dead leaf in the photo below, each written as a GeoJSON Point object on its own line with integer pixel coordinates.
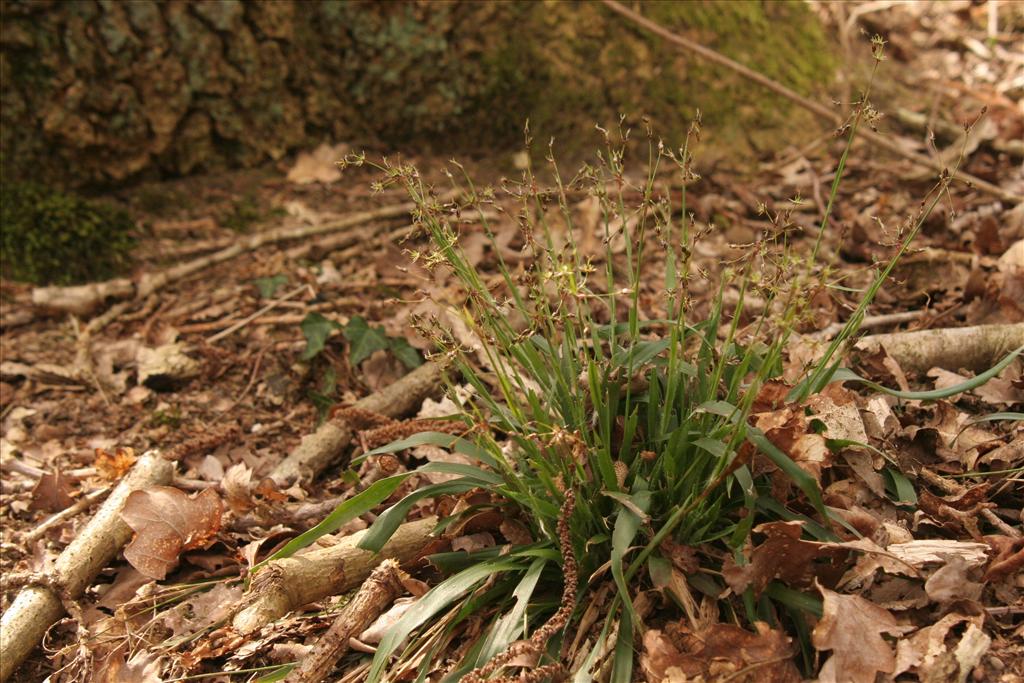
{"type": "Point", "coordinates": [113, 466]}
{"type": "Point", "coordinates": [852, 627]}
{"type": "Point", "coordinates": [720, 652]}
{"type": "Point", "coordinates": [167, 522]}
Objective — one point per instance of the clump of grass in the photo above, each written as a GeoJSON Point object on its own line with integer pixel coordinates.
{"type": "Point", "coordinates": [611, 435]}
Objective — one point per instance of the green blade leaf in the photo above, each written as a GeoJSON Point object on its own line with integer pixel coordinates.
{"type": "Point", "coordinates": [512, 624]}
{"type": "Point", "coordinates": [627, 523]}
{"type": "Point", "coordinates": [441, 439]}
{"type": "Point", "coordinates": [847, 375]}
{"type": "Point", "coordinates": [385, 526]}
{"type": "Point", "coordinates": [438, 598]}
{"type": "Point", "coordinates": [363, 502]}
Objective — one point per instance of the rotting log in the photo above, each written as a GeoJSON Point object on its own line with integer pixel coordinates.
{"type": "Point", "coordinates": [291, 582]}
{"type": "Point", "coordinates": [39, 606]}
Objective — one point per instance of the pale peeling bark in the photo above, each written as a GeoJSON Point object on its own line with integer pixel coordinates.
{"type": "Point", "coordinates": [968, 348]}
{"type": "Point", "coordinates": [291, 582]}
{"type": "Point", "coordinates": [38, 607]}
{"type": "Point", "coordinates": [323, 447]}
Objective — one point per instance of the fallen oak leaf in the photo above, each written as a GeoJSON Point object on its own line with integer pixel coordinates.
{"type": "Point", "coordinates": [852, 627]}
{"type": "Point", "coordinates": [113, 466]}
{"type": "Point", "coordinates": [167, 522]}
{"type": "Point", "coordinates": [52, 492]}
{"type": "Point", "coordinates": [719, 652]}
{"type": "Point", "coordinates": [781, 556]}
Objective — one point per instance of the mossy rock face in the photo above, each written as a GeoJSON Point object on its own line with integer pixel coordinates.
{"type": "Point", "coordinates": [98, 91]}
{"type": "Point", "coordinates": [55, 238]}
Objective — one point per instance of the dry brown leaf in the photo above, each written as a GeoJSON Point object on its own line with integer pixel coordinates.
{"type": "Point", "coordinates": [143, 667]}
{"type": "Point", "coordinates": [113, 466]}
{"type": "Point", "coordinates": [1009, 559]}
{"type": "Point", "coordinates": [166, 522]}
{"type": "Point", "coordinates": [515, 532]}
{"type": "Point", "coordinates": [719, 653]}
{"type": "Point", "coordinates": [938, 653]}
{"type": "Point", "coordinates": [790, 431]}
{"type": "Point", "coordinates": [237, 487]}
{"type": "Point", "coordinates": [471, 543]}
{"type": "Point", "coordinates": [781, 556]}
{"type": "Point", "coordinates": [318, 166]}
{"type": "Point", "coordinates": [852, 627]}
{"type": "Point", "coordinates": [950, 582]}
{"type": "Point", "coordinates": [52, 492]}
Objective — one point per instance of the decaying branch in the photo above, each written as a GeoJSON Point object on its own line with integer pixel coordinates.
{"type": "Point", "coordinates": [86, 298]}
{"type": "Point", "coordinates": [320, 449]}
{"type": "Point", "coordinates": [289, 583]}
{"type": "Point", "coordinates": [970, 348]}
{"type": "Point", "coordinates": [369, 602]}
{"type": "Point", "coordinates": [39, 606]}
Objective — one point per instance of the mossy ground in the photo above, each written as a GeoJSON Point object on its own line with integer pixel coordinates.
{"type": "Point", "coordinates": [55, 238]}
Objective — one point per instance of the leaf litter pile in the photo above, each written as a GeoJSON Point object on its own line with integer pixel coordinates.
{"type": "Point", "coordinates": [205, 467]}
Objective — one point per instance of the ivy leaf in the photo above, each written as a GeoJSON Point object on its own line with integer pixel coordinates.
{"type": "Point", "coordinates": [322, 397]}
{"type": "Point", "coordinates": [268, 286]}
{"type": "Point", "coordinates": [404, 352]}
{"type": "Point", "coordinates": [363, 339]}
{"type": "Point", "coordinates": [317, 329]}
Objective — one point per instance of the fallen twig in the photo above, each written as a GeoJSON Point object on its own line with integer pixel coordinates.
{"type": "Point", "coordinates": [951, 487]}
{"type": "Point", "coordinates": [80, 505]}
{"type": "Point", "coordinates": [85, 298]}
{"type": "Point", "coordinates": [248, 319]}
{"type": "Point", "coordinates": [815, 108]}
{"type": "Point", "coordinates": [369, 602]}
{"type": "Point", "coordinates": [869, 322]}
{"type": "Point", "coordinates": [40, 605]}
{"type": "Point", "coordinates": [291, 582]}
{"type": "Point", "coordinates": [971, 348]}
{"type": "Point", "coordinates": [318, 450]}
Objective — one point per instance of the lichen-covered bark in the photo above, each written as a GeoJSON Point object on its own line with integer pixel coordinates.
{"type": "Point", "coordinates": [101, 90]}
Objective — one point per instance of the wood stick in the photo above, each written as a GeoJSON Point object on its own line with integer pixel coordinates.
{"type": "Point", "coordinates": [85, 298]}
{"type": "Point", "coordinates": [373, 597]}
{"type": "Point", "coordinates": [323, 447]}
{"type": "Point", "coordinates": [81, 505]}
{"type": "Point", "coordinates": [289, 583]}
{"type": "Point", "coordinates": [971, 348]}
{"type": "Point", "coordinates": [38, 607]}
{"type": "Point", "coordinates": [248, 319]}
{"type": "Point", "coordinates": [869, 322]}
{"type": "Point", "coordinates": [813, 107]}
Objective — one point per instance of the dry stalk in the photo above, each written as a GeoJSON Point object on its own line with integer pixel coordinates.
{"type": "Point", "coordinates": [538, 640]}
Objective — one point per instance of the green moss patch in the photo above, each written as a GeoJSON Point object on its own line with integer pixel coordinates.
{"type": "Point", "coordinates": [55, 238]}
